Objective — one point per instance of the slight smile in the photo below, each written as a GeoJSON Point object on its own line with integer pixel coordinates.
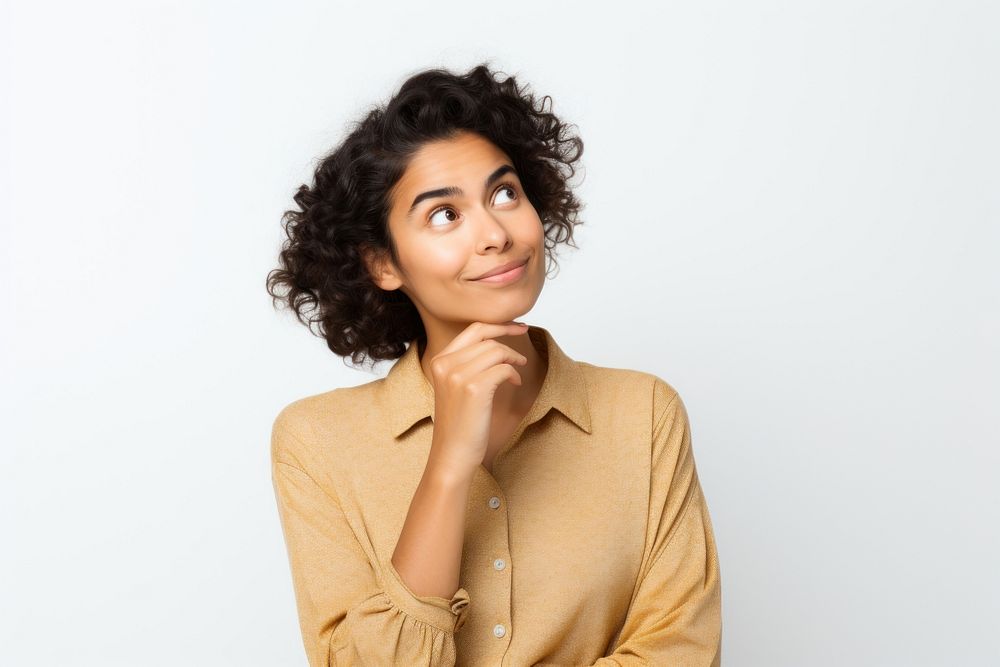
{"type": "Point", "coordinates": [505, 277]}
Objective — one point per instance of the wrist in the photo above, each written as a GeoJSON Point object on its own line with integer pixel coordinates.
{"type": "Point", "coordinates": [446, 475]}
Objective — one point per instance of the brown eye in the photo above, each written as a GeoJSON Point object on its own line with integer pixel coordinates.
{"type": "Point", "coordinates": [510, 189]}
{"type": "Point", "coordinates": [453, 217]}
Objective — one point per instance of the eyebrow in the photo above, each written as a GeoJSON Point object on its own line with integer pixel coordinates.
{"type": "Point", "coordinates": [453, 191]}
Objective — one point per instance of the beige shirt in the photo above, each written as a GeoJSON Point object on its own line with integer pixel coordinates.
{"type": "Point", "coordinates": [589, 544]}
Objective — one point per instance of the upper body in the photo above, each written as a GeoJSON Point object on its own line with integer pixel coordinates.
{"type": "Point", "coordinates": [587, 542]}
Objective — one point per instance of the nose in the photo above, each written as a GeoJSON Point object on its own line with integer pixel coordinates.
{"type": "Point", "coordinates": [492, 233]}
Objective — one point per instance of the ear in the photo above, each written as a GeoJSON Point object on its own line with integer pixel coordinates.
{"type": "Point", "coordinates": [380, 268]}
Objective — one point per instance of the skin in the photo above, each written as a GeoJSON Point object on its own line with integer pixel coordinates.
{"type": "Point", "coordinates": [448, 241]}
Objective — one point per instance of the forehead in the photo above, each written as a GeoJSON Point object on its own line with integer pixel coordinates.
{"type": "Point", "coordinates": [463, 161]}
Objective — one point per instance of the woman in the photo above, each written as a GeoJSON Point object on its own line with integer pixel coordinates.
{"type": "Point", "coordinates": [491, 501]}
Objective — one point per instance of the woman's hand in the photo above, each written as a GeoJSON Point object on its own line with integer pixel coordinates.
{"type": "Point", "coordinates": [465, 376]}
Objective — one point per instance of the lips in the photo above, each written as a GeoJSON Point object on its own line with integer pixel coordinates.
{"type": "Point", "coordinates": [503, 268]}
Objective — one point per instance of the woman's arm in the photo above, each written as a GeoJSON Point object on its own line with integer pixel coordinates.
{"type": "Point", "coordinates": [352, 611]}
{"type": "Point", "coordinates": [676, 613]}
{"type": "Point", "coordinates": [428, 554]}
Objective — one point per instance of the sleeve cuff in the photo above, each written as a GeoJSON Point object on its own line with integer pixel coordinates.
{"type": "Point", "coordinates": [442, 613]}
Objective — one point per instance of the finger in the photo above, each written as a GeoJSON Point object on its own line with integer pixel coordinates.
{"type": "Point", "coordinates": [469, 362]}
{"type": "Point", "coordinates": [497, 375]}
{"type": "Point", "coordinates": [479, 331]}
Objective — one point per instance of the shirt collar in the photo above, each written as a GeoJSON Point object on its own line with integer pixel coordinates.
{"type": "Point", "coordinates": [411, 395]}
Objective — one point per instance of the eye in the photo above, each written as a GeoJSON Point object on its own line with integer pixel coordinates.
{"type": "Point", "coordinates": [443, 209]}
{"type": "Point", "coordinates": [509, 188]}
{"type": "Point", "coordinates": [454, 215]}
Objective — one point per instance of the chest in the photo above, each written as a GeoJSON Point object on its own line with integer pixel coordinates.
{"type": "Point", "coordinates": [501, 431]}
{"type": "Point", "coordinates": [553, 541]}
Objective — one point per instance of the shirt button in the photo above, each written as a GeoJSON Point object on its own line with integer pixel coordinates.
{"type": "Point", "coordinates": [499, 563]}
{"type": "Point", "coordinates": [499, 630]}
{"type": "Point", "coordinates": [494, 502]}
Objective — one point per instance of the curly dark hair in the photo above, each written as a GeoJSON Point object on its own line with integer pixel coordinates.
{"type": "Point", "coordinates": [323, 277]}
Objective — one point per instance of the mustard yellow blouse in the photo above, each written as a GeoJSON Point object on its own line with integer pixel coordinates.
{"type": "Point", "coordinates": [590, 544]}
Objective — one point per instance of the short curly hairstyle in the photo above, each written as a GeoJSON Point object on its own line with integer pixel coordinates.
{"type": "Point", "coordinates": [323, 277]}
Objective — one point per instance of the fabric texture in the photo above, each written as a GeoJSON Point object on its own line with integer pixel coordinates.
{"type": "Point", "coordinates": [589, 544]}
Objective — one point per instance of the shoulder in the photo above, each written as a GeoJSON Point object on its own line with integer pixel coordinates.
{"type": "Point", "coordinates": [619, 384]}
{"type": "Point", "coordinates": [296, 429]}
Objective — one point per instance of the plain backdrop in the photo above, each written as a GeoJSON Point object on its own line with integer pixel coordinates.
{"type": "Point", "coordinates": [791, 216]}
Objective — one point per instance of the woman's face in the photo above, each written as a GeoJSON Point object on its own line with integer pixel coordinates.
{"type": "Point", "coordinates": [446, 240]}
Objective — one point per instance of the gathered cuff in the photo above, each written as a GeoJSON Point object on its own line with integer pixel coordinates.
{"type": "Point", "coordinates": [445, 614]}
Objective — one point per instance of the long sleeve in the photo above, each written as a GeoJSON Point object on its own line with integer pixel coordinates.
{"type": "Point", "coordinates": [675, 615]}
{"type": "Point", "coordinates": [351, 611]}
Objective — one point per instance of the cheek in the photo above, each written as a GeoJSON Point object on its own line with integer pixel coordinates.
{"type": "Point", "coordinates": [533, 233]}
{"type": "Point", "coordinates": [443, 260]}
{"type": "Point", "coordinates": [538, 232]}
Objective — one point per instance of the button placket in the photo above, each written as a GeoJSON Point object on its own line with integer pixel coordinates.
{"type": "Point", "coordinates": [500, 630]}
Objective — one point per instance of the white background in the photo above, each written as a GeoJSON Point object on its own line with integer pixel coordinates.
{"type": "Point", "coordinates": [792, 217]}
